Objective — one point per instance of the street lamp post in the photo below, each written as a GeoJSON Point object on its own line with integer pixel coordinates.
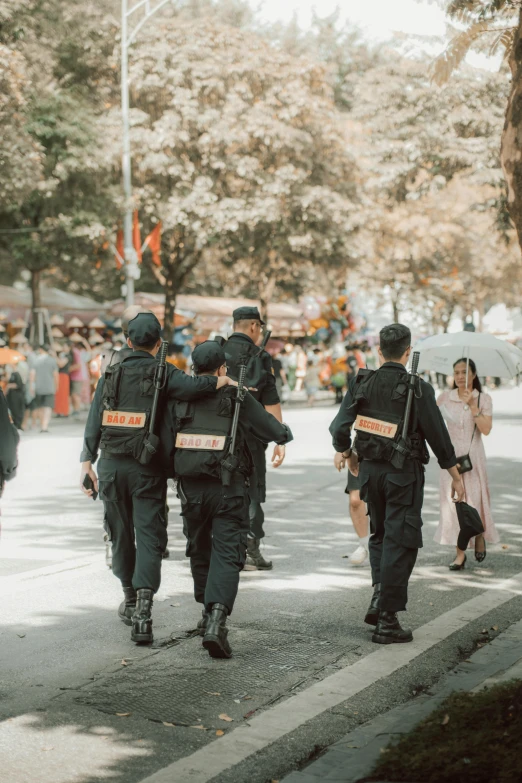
{"type": "Point", "coordinates": [140, 12]}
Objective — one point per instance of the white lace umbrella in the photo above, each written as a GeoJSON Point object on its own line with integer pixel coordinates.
{"type": "Point", "coordinates": [492, 356]}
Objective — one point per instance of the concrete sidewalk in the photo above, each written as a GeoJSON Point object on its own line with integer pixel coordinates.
{"type": "Point", "coordinates": [355, 755]}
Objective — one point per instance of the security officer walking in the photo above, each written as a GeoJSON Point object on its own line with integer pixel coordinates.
{"type": "Point", "coordinates": [215, 508]}
{"type": "Point", "coordinates": [248, 327]}
{"type": "Point", "coordinates": [215, 516]}
{"type": "Point", "coordinates": [9, 439]}
{"type": "Point", "coordinates": [393, 488]}
{"type": "Point", "coordinates": [134, 494]}
{"type": "Point", "coordinates": [109, 360]}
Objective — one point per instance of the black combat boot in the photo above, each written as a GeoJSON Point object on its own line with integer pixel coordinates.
{"type": "Point", "coordinates": [389, 631]}
{"type": "Point", "coordinates": [254, 556]}
{"type": "Point", "coordinates": [141, 619]}
{"type": "Point", "coordinates": [372, 615]}
{"type": "Point", "coordinates": [202, 624]}
{"type": "Point", "coordinates": [215, 638]}
{"type": "Point", "coordinates": [128, 605]}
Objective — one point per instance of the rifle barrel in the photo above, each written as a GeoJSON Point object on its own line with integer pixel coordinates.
{"type": "Point", "coordinates": [235, 420]}
{"type": "Point", "coordinates": [158, 382]}
{"type": "Point", "coordinates": [411, 390]}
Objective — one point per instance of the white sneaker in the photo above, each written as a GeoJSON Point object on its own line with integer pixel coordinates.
{"type": "Point", "coordinates": [359, 557]}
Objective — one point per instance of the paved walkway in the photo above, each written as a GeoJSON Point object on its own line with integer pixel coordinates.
{"type": "Point", "coordinates": [81, 704]}
{"type": "Point", "coordinates": [356, 754]}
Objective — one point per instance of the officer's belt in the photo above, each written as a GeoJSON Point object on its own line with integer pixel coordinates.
{"type": "Point", "coordinates": [134, 419]}
{"type": "Point", "coordinates": [200, 442]}
{"type": "Point", "coordinates": [375, 426]}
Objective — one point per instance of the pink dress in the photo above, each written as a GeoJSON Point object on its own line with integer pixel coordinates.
{"type": "Point", "coordinates": [460, 424]}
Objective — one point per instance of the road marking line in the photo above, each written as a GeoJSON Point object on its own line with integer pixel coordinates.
{"type": "Point", "coordinates": [50, 570]}
{"type": "Point", "coordinates": [222, 754]}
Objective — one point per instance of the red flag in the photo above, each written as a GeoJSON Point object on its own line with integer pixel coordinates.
{"type": "Point", "coordinates": [154, 242]}
{"type": "Point", "coordinates": [120, 254]}
{"type": "Point", "coordinates": [136, 237]}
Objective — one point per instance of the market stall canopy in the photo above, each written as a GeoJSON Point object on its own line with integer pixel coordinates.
{"type": "Point", "coordinates": [213, 313]}
{"type": "Point", "coordinates": [53, 299]}
{"type": "Point", "coordinates": [493, 357]}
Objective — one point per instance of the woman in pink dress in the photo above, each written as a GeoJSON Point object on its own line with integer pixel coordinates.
{"type": "Point", "coordinates": [468, 412]}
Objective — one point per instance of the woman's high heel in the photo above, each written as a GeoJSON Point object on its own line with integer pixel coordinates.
{"type": "Point", "coordinates": [457, 566]}
{"type": "Point", "coordinates": [480, 556]}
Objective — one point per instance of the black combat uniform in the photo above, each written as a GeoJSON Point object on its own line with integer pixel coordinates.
{"type": "Point", "coordinates": [260, 377]}
{"type": "Point", "coordinates": [9, 439]}
{"type": "Point", "coordinates": [134, 494]}
{"type": "Point", "coordinates": [215, 516]}
{"type": "Point", "coordinates": [394, 495]}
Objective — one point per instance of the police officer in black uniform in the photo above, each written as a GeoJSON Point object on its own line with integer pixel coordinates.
{"type": "Point", "coordinates": [392, 485]}
{"type": "Point", "coordinates": [215, 509]}
{"type": "Point", "coordinates": [134, 494]}
{"type": "Point", "coordinates": [248, 327]}
{"type": "Point", "coordinates": [9, 439]}
{"type": "Point", "coordinates": [109, 360]}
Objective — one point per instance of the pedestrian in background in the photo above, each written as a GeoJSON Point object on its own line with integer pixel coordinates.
{"type": "Point", "coordinates": [44, 374]}
{"type": "Point", "coordinates": [78, 374]}
{"type": "Point", "coordinates": [64, 361]}
{"type": "Point", "coordinates": [468, 412]}
{"type": "Point", "coordinates": [15, 396]}
{"type": "Point", "coordinates": [311, 382]}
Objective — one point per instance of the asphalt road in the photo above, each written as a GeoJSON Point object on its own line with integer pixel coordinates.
{"type": "Point", "coordinates": [67, 666]}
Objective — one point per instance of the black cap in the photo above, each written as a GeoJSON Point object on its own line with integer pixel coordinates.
{"type": "Point", "coordinates": [144, 329]}
{"type": "Point", "coordinates": [247, 314]}
{"type": "Point", "coordinates": [208, 356]}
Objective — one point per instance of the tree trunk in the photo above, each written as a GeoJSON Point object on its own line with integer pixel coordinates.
{"type": "Point", "coordinates": [171, 291]}
{"type": "Point", "coordinates": [511, 146]}
{"type": "Point", "coordinates": [36, 294]}
{"type": "Point", "coordinates": [266, 291]}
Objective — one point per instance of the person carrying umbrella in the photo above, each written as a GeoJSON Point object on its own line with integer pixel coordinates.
{"type": "Point", "coordinates": [468, 412]}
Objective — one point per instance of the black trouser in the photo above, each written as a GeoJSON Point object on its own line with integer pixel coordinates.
{"type": "Point", "coordinates": [394, 501]}
{"type": "Point", "coordinates": [215, 523]}
{"type": "Point", "coordinates": [134, 499]}
{"type": "Point", "coordinates": [257, 490]}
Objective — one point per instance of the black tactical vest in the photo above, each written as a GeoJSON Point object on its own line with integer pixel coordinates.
{"type": "Point", "coordinates": [203, 436]}
{"type": "Point", "coordinates": [380, 398]}
{"type": "Point", "coordinates": [127, 400]}
{"type": "Point", "coordinates": [258, 364]}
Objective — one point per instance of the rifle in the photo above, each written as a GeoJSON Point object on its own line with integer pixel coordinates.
{"type": "Point", "coordinates": [402, 447]}
{"type": "Point", "coordinates": [231, 462]}
{"type": "Point", "coordinates": [266, 338]}
{"type": "Point", "coordinates": [151, 441]}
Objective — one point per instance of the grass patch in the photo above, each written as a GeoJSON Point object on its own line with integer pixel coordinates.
{"type": "Point", "coordinates": [471, 737]}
